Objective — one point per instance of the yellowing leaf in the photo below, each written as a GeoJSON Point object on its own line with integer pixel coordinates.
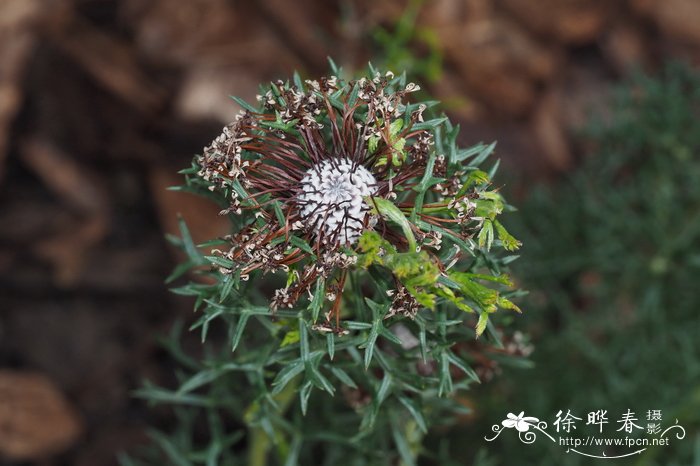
{"type": "Point", "coordinates": [290, 338]}
{"type": "Point", "coordinates": [482, 323]}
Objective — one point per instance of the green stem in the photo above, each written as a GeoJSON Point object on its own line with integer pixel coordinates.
{"type": "Point", "coordinates": [259, 440]}
{"type": "Point", "coordinates": [259, 444]}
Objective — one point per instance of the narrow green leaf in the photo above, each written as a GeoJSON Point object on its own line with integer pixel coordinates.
{"type": "Point", "coordinates": [334, 68]}
{"type": "Point", "coordinates": [290, 338]}
{"type": "Point", "coordinates": [429, 124]}
{"type": "Point", "coordinates": [384, 388]}
{"type": "Point", "coordinates": [220, 261]}
{"type": "Point", "coordinates": [343, 376]}
{"type": "Point", "coordinates": [286, 375]}
{"type": "Point", "coordinates": [317, 301]}
{"type": "Point", "coordinates": [238, 332]}
{"type": "Point", "coordinates": [190, 249]}
{"type": "Point", "coordinates": [292, 457]}
{"type": "Point", "coordinates": [388, 210]}
{"type": "Point", "coordinates": [279, 214]}
{"type": "Point", "coordinates": [244, 104]}
{"type": "Point", "coordinates": [303, 340]}
{"type": "Point", "coordinates": [371, 342]}
{"type": "Point", "coordinates": [198, 380]}
{"type": "Point", "coordinates": [321, 381]}
{"type": "Point", "coordinates": [445, 384]}
{"type": "Point", "coordinates": [179, 271]}
{"type": "Point", "coordinates": [415, 411]}
{"type": "Point", "coordinates": [354, 325]}
{"type": "Point", "coordinates": [486, 235]}
{"type": "Point", "coordinates": [402, 446]}
{"type": "Point", "coordinates": [463, 366]}
{"type": "Point", "coordinates": [301, 244]}
{"type": "Point", "coordinates": [510, 243]}
{"type": "Point", "coordinates": [227, 286]}
{"type": "Point", "coordinates": [423, 341]}
{"type": "Point", "coordinates": [304, 394]}
{"type": "Point", "coordinates": [330, 344]}
{"type": "Point", "coordinates": [389, 335]}
{"type": "Point", "coordinates": [177, 457]}
{"type": "Point", "coordinates": [298, 81]}
{"type": "Point", "coordinates": [483, 155]}
{"type": "Point", "coordinates": [481, 324]}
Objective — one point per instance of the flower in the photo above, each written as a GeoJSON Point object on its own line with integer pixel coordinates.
{"type": "Point", "coordinates": [332, 202]}
{"type": "Point", "coordinates": [332, 176]}
{"type": "Point", "coordinates": [522, 424]}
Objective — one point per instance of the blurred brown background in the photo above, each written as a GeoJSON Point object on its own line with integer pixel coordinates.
{"type": "Point", "coordinates": [102, 101]}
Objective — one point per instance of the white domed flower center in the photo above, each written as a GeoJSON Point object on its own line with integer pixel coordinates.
{"type": "Point", "coordinates": [332, 199]}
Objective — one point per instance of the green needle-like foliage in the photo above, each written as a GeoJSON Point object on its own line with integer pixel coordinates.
{"type": "Point", "coordinates": [613, 259]}
{"type": "Point", "coordinates": [347, 337]}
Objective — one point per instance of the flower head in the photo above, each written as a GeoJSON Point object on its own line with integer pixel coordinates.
{"type": "Point", "coordinates": [332, 201]}
{"type": "Point", "coordinates": [335, 176]}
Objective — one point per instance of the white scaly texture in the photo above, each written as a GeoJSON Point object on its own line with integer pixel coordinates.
{"type": "Point", "coordinates": [332, 199]}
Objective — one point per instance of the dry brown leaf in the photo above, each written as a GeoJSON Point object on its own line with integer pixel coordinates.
{"type": "Point", "coordinates": [626, 47]}
{"type": "Point", "coordinates": [549, 129]}
{"type": "Point", "coordinates": [567, 21]}
{"type": "Point", "coordinates": [678, 19]}
{"type": "Point", "coordinates": [111, 62]}
{"type": "Point", "coordinates": [36, 420]}
{"type": "Point", "coordinates": [205, 90]}
{"type": "Point", "coordinates": [499, 64]}
{"type": "Point", "coordinates": [201, 215]}
{"type": "Point", "coordinates": [76, 187]}
{"type": "Point", "coordinates": [18, 19]}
